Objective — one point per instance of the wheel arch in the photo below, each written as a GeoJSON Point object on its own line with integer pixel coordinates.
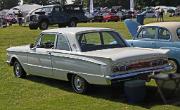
{"type": "Point", "coordinates": [69, 76]}
{"type": "Point", "coordinates": [13, 59]}
{"type": "Point", "coordinates": [174, 60]}
{"type": "Point", "coordinates": [178, 65]}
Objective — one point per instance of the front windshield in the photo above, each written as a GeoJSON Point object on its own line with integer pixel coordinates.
{"type": "Point", "coordinates": [100, 40]}
{"type": "Point", "coordinates": [44, 9]}
{"type": "Point", "coordinates": [36, 10]}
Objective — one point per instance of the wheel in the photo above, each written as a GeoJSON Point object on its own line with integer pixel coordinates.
{"type": "Point", "coordinates": [18, 70]}
{"type": "Point", "coordinates": [72, 23]}
{"type": "Point", "coordinates": [174, 65]}
{"type": "Point", "coordinates": [79, 84]}
{"type": "Point", "coordinates": [43, 25]}
{"type": "Point", "coordinates": [32, 27]}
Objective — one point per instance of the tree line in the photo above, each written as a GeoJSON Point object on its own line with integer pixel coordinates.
{"type": "Point", "coordinates": [6, 4]}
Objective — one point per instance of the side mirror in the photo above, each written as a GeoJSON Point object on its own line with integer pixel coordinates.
{"type": "Point", "coordinates": [31, 46]}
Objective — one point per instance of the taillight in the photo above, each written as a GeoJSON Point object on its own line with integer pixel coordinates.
{"type": "Point", "coordinates": [139, 65]}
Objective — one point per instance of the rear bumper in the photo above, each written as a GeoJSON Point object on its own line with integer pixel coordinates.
{"type": "Point", "coordinates": [115, 78]}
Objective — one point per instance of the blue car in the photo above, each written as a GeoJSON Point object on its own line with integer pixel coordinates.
{"type": "Point", "coordinates": [163, 35]}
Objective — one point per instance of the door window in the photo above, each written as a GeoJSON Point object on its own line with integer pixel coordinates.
{"type": "Point", "coordinates": [57, 9]}
{"type": "Point", "coordinates": [108, 39]}
{"type": "Point", "coordinates": [164, 34]}
{"type": "Point", "coordinates": [46, 41]}
{"type": "Point", "coordinates": [62, 43]}
{"type": "Point", "coordinates": [149, 33]}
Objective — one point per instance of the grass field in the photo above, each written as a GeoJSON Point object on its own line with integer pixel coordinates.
{"type": "Point", "coordinates": [37, 93]}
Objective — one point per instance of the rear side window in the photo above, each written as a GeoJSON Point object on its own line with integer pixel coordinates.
{"type": "Point", "coordinates": [100, 40]}
{"type": "Point", "coordinates": [62, 43]}
{"type": "Point", "coordinates": [164, 34]}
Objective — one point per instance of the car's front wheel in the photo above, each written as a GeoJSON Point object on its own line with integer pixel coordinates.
{"type": "Point", "coordinates": [79, 84]}
{"type": "Point", "coordinates": [18, 70]}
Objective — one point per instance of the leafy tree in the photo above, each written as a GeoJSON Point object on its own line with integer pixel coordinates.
{"type": "Point", "coordinates": [6, 4]}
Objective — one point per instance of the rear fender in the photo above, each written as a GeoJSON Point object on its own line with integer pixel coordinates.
{"type": "Point", "coordinates": [173, 53]}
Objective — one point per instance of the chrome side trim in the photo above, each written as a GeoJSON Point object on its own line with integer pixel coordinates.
{"type": "Point", "coordinates": [68, 71]}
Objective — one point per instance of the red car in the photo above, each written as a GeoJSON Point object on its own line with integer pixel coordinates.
{"type": "Point", "coordinates": [110, 17]}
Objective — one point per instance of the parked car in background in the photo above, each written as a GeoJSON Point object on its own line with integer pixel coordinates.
{"type": "Point", "coordinates": [11, 18]}
{"type": "Point", "coordinates": [85, 56]}
{"type": "Point", "coordinates": [110, 17]}
{"type": "Point", "coordinates": [177, 11]}
{"type": "Point", "coordinates": [89, 16]}
{"type": "Point", "coordinates": [164, 35]}
{"type": "Point", "coordinates": [3, 22]}
{"type": "Point", "coordinates": [120, 14]}
{"type": "Point", "coordinates": [68, 15]}
{"type": "Point", "coordinates": [98, 17]}
{"type": "Point", "coordinates": [128, 15]}
{"type": "Point", "coordinates": [149, 14]}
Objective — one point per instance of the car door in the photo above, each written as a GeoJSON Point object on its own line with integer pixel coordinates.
{"type": "Point", "coordinates": [58, 15]}
{"type": "Point", "coordinates": [164, 38]}
{"type": "Point", "coordinates": [39, 57]}
{"type": "Point", "coordinates": [61, 58]}
{"type": "Point", "coordinates": [146, 38]}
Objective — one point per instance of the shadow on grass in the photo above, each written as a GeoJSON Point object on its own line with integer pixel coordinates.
{"type": "Point", "coordinates": [112, 93]}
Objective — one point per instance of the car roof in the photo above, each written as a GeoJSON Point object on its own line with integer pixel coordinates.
{"type": "Point", "coordinates": [168, 25]}
{"type": "Point", "coordinates": [171, 26]}
{"type": "Point", "coordinates": [50, 6]}
{"type": "Point", "coordinates": [75, 30]}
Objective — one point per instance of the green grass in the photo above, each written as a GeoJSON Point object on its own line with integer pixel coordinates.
{"type": "Point", "coordinates": [37, 93]}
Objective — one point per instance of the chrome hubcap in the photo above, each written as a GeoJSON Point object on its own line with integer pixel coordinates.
{"type": "Point", "coordinates": [174, 66]}
{"type": "Point", "coordinates": [17, 69]}
{"type": "Point", "coordinates": [78, 83]}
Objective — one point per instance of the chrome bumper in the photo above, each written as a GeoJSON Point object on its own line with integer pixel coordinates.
{"type": "Point", "coordinates": [134, 74]}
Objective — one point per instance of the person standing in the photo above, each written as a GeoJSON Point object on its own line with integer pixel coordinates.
{"type": "Point", "coordinates": [161, 15]}
{"type": "Point", "coordinates": [20, 15]}
{"type": "Point", "coordinates": [157, 15]}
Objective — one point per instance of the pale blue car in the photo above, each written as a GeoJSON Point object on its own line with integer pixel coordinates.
{"type": "Point", "coordinates": [164, 35]}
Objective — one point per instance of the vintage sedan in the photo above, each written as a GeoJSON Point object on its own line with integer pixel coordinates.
{"type": "Point", "coordinates": [164, 35]}
{"type": "Point", "coordinates": [85, 56]}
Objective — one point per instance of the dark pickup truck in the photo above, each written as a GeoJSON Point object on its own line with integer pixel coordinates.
{"type": "Point", "coordinates": [68, 15]}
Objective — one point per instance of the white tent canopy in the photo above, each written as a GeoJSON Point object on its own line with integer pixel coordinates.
{"type": "Point", "coordinates": [26, 8]}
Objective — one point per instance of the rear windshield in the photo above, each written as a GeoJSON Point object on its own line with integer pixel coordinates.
{"type": "Point", "coordinates": [100, 40]}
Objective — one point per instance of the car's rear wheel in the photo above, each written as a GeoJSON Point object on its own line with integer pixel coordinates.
{"type": "Point", "coordinates": [43, 25]}
{"type": "Point", "coordinates": [79, 84]}
{"type": "Point", "coordinates": [174, 65]}
{"type": "Point", "coordinates": [18, 70]}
